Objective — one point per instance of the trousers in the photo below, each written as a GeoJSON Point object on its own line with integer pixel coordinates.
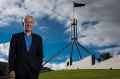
{"type": "Point", "coordinates": [29, 74]}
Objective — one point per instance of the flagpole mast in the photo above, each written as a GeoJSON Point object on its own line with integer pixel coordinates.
{"type": "Point", "coordinates": [74, 30]}
{"type": "Point", "coordinates": [73, 10]}
{"type": "Point", "coordinates": [74, 42]}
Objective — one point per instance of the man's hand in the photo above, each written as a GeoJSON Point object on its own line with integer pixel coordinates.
{"type": "Point", "coordinates": [12, 74]}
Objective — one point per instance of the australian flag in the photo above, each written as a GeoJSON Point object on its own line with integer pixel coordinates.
{"type": "Point", "coordinates": [78, 4]}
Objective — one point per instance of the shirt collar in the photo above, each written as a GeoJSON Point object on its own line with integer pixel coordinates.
{"type": "Point", "coordinates": [26, 34]}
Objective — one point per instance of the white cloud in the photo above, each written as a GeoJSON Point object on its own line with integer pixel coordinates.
{"type": "Point", "coordinates": [43, 28]}
{"type": "Point", "coordinates": [3, 60]}
{"type": "Point", "coordinates": [55, 66]}
{"type": "Point", "coordinates": [105, 33]}
{"type": "Point", "coordinates": [113, 51]}
{"type": "Point", "coordinates": [4, 47]}
{"type": "Point", "coordinates": [101, 35]}
{"type": "Point", "coordinates": [37, 8]}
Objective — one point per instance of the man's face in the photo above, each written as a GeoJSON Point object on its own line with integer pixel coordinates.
{"type": "Point", "coordinates": [28, 24]}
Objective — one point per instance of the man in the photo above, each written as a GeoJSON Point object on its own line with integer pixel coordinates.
{"type": "Point", "coordinates": [26, 52]}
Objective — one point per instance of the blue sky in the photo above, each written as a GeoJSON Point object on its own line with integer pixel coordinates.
{"type": "Point", "coordinates": [53, 35]}
{"type": "Point", "coordinates": [98, 25]}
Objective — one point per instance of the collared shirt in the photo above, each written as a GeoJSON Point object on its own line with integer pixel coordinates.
{"type": "Point", "coordinates": [28, 40]}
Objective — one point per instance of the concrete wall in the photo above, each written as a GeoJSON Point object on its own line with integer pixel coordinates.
{"type": "Point", "coordinates": [113, 63]}
{"type": "Point", "coordinates": [82, 64]}
{"type": "Point", "coordinates": [86, 63]}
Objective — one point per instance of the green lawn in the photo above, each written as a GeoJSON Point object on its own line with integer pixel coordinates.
{"type": "Point", "coordinates": [81, 74]}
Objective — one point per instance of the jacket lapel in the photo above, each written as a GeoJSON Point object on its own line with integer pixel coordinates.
{"type": "Point", "coordinates": [32, 42]}
{"type": "Point", "coordinates": [23, 40]}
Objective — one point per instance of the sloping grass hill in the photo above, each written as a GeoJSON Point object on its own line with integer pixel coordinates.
{"type": "Point", "coordinates": [81, 74]}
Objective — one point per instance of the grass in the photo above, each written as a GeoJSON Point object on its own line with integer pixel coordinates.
{"type": "Point", "coordinates": [81, 74]}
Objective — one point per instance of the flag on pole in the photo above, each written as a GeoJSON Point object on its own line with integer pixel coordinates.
{"type": "Point", "coordinates": [78, 4]}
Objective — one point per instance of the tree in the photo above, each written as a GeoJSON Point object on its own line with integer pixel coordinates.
{"type": "Point", "coordinates": [106, 55]}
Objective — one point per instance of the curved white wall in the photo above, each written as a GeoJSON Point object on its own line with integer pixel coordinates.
{"type": "Point", "coordinates": [86, 63]}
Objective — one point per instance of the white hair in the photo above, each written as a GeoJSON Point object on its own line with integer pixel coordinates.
{"type": "Point", "coordinates": [26, 17]}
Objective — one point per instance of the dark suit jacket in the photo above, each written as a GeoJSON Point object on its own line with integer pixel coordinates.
{"type": "Point", "coordinates": [20, 58]}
